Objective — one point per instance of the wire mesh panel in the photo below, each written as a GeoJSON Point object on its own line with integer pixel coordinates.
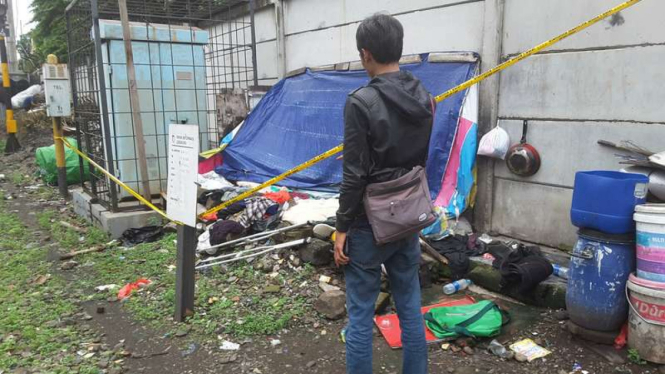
{"type": "Point", "coordinates": [188, 54]}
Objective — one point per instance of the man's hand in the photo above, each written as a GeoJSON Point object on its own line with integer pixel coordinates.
{"type": "Point", "coordinates": [340, 241]}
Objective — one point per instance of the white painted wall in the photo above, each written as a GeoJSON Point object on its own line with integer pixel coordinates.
{"type": "Point", "coordinates": [605, 82]}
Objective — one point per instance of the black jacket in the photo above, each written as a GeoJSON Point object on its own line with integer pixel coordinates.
{"type": "Point", "coordinates": [387, 126]}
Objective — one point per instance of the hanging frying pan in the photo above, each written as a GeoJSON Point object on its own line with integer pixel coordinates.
{"type": "Point", "coordinates": [523, 159]}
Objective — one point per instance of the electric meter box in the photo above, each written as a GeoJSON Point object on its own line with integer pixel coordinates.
{"type": "Point", "coordinates": [57, 90]}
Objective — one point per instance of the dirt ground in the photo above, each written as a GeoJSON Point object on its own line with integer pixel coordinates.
{"type": "Point", "coordinates": [122, 341]}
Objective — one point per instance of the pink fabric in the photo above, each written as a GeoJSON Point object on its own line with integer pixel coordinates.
{"type": "Point", "coordinates": [450, 177]}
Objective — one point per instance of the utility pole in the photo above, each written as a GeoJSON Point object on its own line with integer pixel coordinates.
{"type": "Point", "coordinates": [12, 145]}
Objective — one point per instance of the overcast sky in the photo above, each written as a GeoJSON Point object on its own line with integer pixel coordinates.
{"type": "Point", "coordinates": [23, 15]}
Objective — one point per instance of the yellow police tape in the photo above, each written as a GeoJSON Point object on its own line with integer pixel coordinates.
{"type": "Point", "coordinates": [340, 147]}
{"type": "Point", "coordinates": [534, 50]}
{"type": "Point", "coordinates": [116, 180]}
{"type": "Point", "coordinates": [272, 181]}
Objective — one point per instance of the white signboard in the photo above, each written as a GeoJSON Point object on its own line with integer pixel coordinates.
{"type": "Point", "coordinates": [57, 90]}
{"type": "Point", "coordinates": [183, 173]}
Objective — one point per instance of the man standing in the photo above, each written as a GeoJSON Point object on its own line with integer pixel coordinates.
{"type": "Point", "coordinates": [387, 126]}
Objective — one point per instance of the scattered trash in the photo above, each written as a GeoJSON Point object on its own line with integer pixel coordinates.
{"type": "Point", "coordinates": [499, 350]}
{"type": "Point", "coordinates": [101, 310]}
{"type": "Point", "coordinates": [529, 349]}
{"type": "Point", "coordinates": [275, 342]}
{"type": "Point", "coordinates": [127, 289]}
{"type": "Point", "coordinates": [146, 234]}
{"type": "Point", "coordinates": [325, 279]}
{"type": "Point", "coordinates": [455, 286]}
{"type": "Point", "coordinates": [190, 350]}
{"type": "Point", "coordinates": [229, 346]}
{"type": "Point", "coordinates": [106, 287]}
{"type": "Point", "coordinates": [445, 346]}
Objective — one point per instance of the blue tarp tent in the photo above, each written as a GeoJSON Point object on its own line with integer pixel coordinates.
{"type": "Point", "coordinates": [302, 117]}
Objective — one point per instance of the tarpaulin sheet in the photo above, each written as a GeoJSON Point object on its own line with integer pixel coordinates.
{"type": "Point", "coordinates": [302, 117]}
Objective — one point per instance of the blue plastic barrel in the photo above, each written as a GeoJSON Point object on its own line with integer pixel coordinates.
{"type": "Point", "coordinates": [599, 269]}
{"type": "Point", "coordinates": [605, 200]}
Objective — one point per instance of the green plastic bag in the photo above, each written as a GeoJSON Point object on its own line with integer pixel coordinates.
{"type": "Point", "coordinates": [49, 171]}
{"type": "Point", "coordinates": [482, 319]}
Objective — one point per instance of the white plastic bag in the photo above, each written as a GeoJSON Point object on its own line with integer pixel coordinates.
{"type": "Point", "coordinates": [495, 143]}
{"type": "Point", "coordinates": [19, 99]}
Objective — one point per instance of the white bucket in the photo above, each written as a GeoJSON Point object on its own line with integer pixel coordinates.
{"type": "Point", "coordinates": [650, 227]}
{"type": "Point", "coordinates": [646, 320]}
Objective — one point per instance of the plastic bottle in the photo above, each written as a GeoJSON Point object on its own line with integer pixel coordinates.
{"type": "Point", "coordinates": [499, 350]}
{"type": "Point", "coordinates": [560, 271]}
{"type": "Point", "coordinates": [455, 286]}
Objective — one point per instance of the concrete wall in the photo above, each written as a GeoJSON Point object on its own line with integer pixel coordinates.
{"type": "Point", "coordinates": [604, 83]}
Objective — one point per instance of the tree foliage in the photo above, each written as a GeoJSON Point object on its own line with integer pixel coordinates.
{"type": "Point", "coordinates": [30, 60]}
{"type": "Point", "coordinates": [50, 32]}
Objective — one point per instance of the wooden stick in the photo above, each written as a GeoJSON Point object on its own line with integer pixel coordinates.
{"type": "Point", "coordinates": [67, 256]}
{"type": "Point", "coordinates": [134, 100]}
{"type": "Point", "coordinates": [432, 252]}
{"type": "Point", "coordinates": [68, 225]}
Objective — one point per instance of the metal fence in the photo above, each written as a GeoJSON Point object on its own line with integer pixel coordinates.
{"type": "Point", "coordinates": [187, 54]}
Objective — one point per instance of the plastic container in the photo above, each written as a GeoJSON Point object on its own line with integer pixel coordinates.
{"type": "Point", "coordinates": [650, 237]}
{"type": "Point", "coordinates": [605, 200]}
{"type": "Point", "coordinates": [599, 268]}
{"type": "Point", "coordinates": [455, 286]}
{"type": "Point", "coordinates": [646, 327]}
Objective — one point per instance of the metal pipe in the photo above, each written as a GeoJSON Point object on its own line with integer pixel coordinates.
{"type": "Point", "coordinates": [279, 246]}
{"type": "Point", "coordinates": [251, 18]}
{"type": "Point", "coordinates": [261, 235]}
{"type": "Point", "coordinates": [236, 254]}
{"type": "Point", "coordinates": [104, 118]}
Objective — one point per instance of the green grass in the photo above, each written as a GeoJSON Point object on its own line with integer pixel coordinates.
{"type": "Point", "coordinates": [635, 358]}
{"type": "Point", "coordinates": [29, 338]}
{"type": "Point", "coordinates": [238, 308]}
{"type": "Point", "coordinates": [68, 238]}
{"type": "Point", "coordinates": [17, 178]}
{"type": "Point", "coordinates": [3, 143]}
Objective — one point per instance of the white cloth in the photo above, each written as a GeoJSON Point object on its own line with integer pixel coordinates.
{"type": "Point", "coordinates": [311, 210]}
{"type": "Point", "coordinates": [204, 241]}
{"type": "Point", "coordinates": [212, 181]}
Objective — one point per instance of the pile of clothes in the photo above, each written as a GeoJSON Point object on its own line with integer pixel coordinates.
{"type": "Point", "coordinates": [258, 213]}
{"type": "Point", "coordinates": [522, 267]}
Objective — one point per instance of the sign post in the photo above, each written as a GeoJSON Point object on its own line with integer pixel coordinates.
{"type": "Point", "coordinates": [181, 206]}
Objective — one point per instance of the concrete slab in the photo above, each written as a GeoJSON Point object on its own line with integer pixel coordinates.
{"type": "Point", "coordinates": [614, 85]}
{"type": "Point", "coordinates": [113, 223]}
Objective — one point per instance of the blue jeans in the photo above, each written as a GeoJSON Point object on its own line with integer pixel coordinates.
{"type": "Point", "coordinates": [363, 283]}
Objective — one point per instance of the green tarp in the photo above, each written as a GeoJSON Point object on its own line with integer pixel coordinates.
{"type": "Point", "coordinates": [48, 170]}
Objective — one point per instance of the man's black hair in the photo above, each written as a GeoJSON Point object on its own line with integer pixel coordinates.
{"type": "Point", "coordinates": [383, 36]}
